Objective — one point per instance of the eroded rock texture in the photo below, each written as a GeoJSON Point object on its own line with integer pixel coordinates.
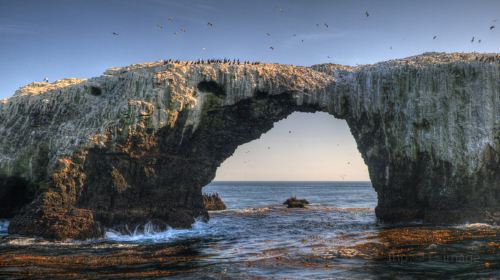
{"type": "Point", "coordinates": [138, 143]}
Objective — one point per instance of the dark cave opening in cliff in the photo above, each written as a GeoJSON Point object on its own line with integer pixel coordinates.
{"type": "Point", "coordinates": [304, 147]}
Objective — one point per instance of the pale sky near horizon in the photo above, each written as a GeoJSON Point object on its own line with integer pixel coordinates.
{"type": "Point", "coordinates": [302, 147]}
{"type": "Point", "coordinates": [73, 38]}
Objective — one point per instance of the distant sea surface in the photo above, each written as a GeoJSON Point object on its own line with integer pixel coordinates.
{"type": "Point", "coordinates": [257, 237]}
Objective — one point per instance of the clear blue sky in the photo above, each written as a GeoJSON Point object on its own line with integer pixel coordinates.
{"type": "Point", "coordinates": [73, 38]}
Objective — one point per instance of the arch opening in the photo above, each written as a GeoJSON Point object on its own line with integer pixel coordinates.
{"type": "Point", "coordinates": [307, 148]}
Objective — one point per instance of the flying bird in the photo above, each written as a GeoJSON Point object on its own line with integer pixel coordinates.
{"type": "Point", "coordinates": [115, 34]}
{"type": "Point", "coordinates": [294, 35]}
{"type": "Point", "coordinates": [269, 148]}
{"type": "Point", "coordinates": [160, 26]}
{"type": "Point", "coordinates": [46, 79]}
{"type": "Point", "coordinates": [326, 25]}
{"type": "Point", "coordinates": [472, 40]}
{"type": "Point", "coordinates": [479, 41]}
{"type": "Point", "coordinates": [367, 14]}
{"type": "Point", "coordinates": [317, 24]}
{"type": "Point", "coordinates": [268, 34]}
{"type": "Point", "coordinates": [492, 27]}
{"type": "Point", "coordinates": [210, 24]}
{"type": "Point", "coordinates": [272, 48]}
{"type": "Point", "coordinates": [289, 131]}
{"type": "Point", "coordinates": [170, 19]}
{"type": "Point", "coordinates": [434, 38]}
{"type": "Point", "coordinates": [302, 40]}
{"type": "Point", "coordinates": [328, 56]}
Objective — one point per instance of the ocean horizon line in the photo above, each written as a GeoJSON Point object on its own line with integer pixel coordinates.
{"type": "Point", "coordinates": [287, 181]}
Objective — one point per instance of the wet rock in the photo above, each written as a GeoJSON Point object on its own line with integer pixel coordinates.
{"type": "Point", "coordinates": [138, 143]}
{"type": "Point", "coordinates": [294, 202]}
{"type": "Point", "coordinates": [48, 218]}
{"type": "Point", "coordinates": [213, 202]}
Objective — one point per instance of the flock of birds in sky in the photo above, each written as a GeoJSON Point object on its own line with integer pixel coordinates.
{"type": "Point", "coordinates": [281, 10]}
{"type": "Point", "coordinates": [210, 24]}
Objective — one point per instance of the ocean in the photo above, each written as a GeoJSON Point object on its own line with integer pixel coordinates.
{"type": "Point", "coordinates": [257, 237]}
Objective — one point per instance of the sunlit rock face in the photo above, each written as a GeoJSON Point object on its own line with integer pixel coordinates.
{"type": "Point", "coordinates": [137, 144]}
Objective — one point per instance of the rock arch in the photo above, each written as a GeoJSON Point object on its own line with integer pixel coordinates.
{"type": "Point", "coordinates": [426, 126]}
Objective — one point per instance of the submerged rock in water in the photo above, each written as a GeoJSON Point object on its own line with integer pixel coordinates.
{"type": "Point", "coordinates": [138, 143]}
{"type": "Point", "coordinates": [294, 202]}
{"type": "Point", "coordinates": [213, 202]}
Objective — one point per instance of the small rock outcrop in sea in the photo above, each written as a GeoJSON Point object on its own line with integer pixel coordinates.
{"type": "Point", "coordinates": [138, 143]}
{"type": "Point", "coordinates": [213, 202]}
{"type": "Point", "coordinates": [294, 202]}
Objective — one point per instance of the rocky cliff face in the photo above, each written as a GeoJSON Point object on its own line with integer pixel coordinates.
{"type": "Point", "coordinates": [428, 128]}
{"type": "Point", "coordinates": [138, 143]}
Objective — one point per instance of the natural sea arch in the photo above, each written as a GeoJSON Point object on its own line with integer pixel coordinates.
{"type": "Point", "coordinates": [426, 126]}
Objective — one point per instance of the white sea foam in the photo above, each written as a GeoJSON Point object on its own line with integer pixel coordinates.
{"type": "Point", "coordinates": [475, 225]}
{"type": "Point", "coordinates": [253, 210]}
{"type": "Point", "coordinates": [149, 233]}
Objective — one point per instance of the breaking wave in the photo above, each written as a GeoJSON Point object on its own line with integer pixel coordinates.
{"type": "Point", "coordinates": [149, 233]}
